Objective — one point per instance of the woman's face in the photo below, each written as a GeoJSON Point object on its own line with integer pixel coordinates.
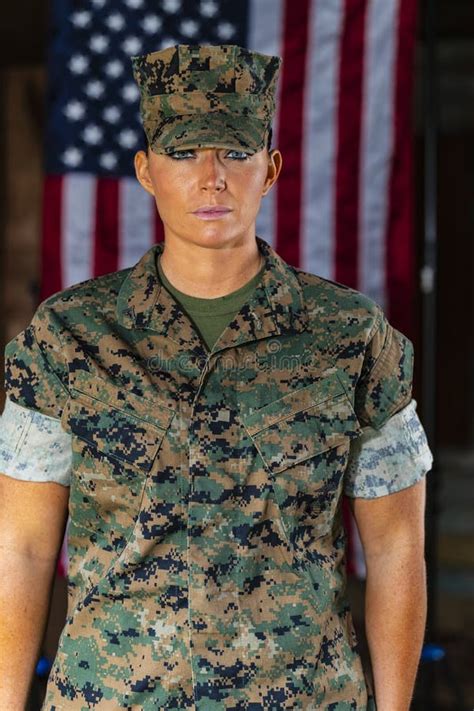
{"type": "Point", "coordinates": [188, 183]}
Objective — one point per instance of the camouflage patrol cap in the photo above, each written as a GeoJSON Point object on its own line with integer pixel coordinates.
{"type": "Point", "coordinates": [198, 96]}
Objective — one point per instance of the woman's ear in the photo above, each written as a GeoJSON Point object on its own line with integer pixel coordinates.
{"type": "Point", "coordinates": [275, 162]}
{"type": "Point", "coordinates": [142, 172]}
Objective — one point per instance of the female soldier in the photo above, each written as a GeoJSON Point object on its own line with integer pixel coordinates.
{"type": "Point", "coordinates": [216, 403]}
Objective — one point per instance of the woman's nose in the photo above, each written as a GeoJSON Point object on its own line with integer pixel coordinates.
{"type": "Point", "coordinates": [213, 171]}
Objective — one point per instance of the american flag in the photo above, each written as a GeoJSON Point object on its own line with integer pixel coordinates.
{"type": "Point", "coordinates": [342, 207]}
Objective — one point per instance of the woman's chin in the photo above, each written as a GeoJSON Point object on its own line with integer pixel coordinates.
{"type": "Point", "coordinates": [213, 234]}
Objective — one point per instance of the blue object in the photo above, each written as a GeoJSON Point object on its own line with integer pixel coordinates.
{"type": "Point", "coordinates": [432, 653]}
{"type": "Point", "coordinates": [42, 667]}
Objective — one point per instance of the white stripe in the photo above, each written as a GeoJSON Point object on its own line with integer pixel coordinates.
{"type": "Point", "coordinates": [266, 36]}
{"type": "Point", "coordinates": [377, 143]}
{"type": "Point", "coordinates": [320, 137]}
{"type": "Point", "coordinates": [136, 222]}
{"type": "Point", "coordinates": [78, 219]}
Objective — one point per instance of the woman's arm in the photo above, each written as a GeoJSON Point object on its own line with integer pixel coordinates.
{"type": "Point", "coordinates": [391, 529]}
{"type": "Point", "coordinates": [33, 517]}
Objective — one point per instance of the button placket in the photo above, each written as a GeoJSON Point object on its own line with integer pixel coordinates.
{"type": "Point", "coordinates": [214, 608]}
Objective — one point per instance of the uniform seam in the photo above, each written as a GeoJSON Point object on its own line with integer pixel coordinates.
{"type": "Point", "coordinates": [45, 359]}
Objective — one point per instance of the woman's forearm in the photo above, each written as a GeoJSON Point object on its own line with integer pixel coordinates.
{"type": "Point", "coordinates": [395, 617]}
{"type": "Point", "coordinates": [25, 593]}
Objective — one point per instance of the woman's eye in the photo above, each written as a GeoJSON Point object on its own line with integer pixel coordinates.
{"type": "Point", "coordinates": [239, 155]}
{"type": "Point", "coordinates": [178, 155]}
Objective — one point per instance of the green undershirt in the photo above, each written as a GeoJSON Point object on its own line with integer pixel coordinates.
{"type": "Point", "coordinates": [211, 316]}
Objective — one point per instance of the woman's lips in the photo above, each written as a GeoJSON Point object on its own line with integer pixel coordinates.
{"type": "Point", "coordinates": [212, 213]}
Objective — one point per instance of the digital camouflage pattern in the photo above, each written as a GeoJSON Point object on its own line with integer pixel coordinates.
{"type": "Point", "coordinates": [198, 96]}
{"type": "Point", "coordinates": [206, 541]}
{"type": "Point", "coordinates": [386, 460]}
{"type": "Point", "coordinates": [33, 446]}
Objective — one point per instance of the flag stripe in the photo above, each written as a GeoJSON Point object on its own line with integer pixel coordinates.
{"type": "Point", "coordinates": [348, 148]}
{"type": "Point", "coordinates": [136, 222]}
{"type": "Point", "coordinates": [52, 236]}
{"type": "Point", "coordinates": [78, 210]}
{"type": "Point", "coordinates": [265, 35]}
{"type": "Point", "coordinates": [290, 128]}
{"type": "Point", "coordinates": [377, 146]}
{"type": "Point", "coordinates": [106, 237]}
{"type": "Point", "coordinates": [320, 137]}
{"type": "Point", "coordinates": [158, 227]}
{"type": "Point", "coordinates": [400, 263]}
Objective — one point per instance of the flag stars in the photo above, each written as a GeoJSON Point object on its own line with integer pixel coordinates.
{"type": "Point", "coordinates": [115, 22]}
{"type": "Point", "coordinates": [225, 30]}
{"type": "Point", "coordinates": [127, 138]}
{"type": "Point", "coordinates": [171, 6]}
{"type": "Point", "coordinates": [208, 8]}
{"type": "Point", "coordinates": [114, 68]}
{"type": "Point", "coordinates": [72, 157]}
{"type": "Point", "coordinates": [189, 28]}
{"type": "Point", "coordinates": [74, 110]}
{"type": "Point", "coordinates": [131, 45]}
{"type": "Point", "coordinates": [78, 64]}
{"type": "Point", "coordinates": [130, 93]}
{"type": "Point", "coordinates": [151, 24]}
{"type": "Point", "coordinates": [94, 89]}
{"type": "Point", "coordinates": [99, 43]}
{"type": "Point", "coordinates": [92, 134]}
{"type": "Point", "coordinates": [98, 3]}
{"type": "Point", "coordinates": [134, 4]}
{"type": "Point", "coordinates": [81, 19]}
{"type": "Point", "coordinates": [111, 114]}
{"type": "Point", "coordinates": [108, 160]}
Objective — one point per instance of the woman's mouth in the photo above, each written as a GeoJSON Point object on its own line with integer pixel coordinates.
{"type": "Point", "coordinates": [211, 212]}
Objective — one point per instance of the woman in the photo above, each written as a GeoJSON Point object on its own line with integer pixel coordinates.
{"type": "Point", "coordinates": [218, 403]}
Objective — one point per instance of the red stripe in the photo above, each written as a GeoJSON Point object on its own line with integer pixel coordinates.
{"type": "Point", "coordinates": [106, 227]}
{"type": "Point", "coordinates": [50, 269]}
{"type": "Point", "coordinates": [351, 73]}
{"type": "Point", "coordinates": [400, 252]}
{"type": "Point", "coordinates": [290, 130]}
{"type": "Point", "coordinates": [158, 229]}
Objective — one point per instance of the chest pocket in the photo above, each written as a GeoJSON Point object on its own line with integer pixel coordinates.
{"type": "Point", "coordinates": [113, 432]}
{"type": "Point", "coordinates": [115, 444]}
{"type": "Point", "coordinates": [303, 440]}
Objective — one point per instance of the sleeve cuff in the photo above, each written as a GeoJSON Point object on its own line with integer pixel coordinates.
{"type": "Point", "coordinates": [33, 446]}
{"type": "Point", "coordinates": [389, 459]}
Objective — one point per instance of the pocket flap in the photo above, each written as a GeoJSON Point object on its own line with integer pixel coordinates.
{"type": "Point", "coordinates": [325, 388]}
{"type": "Point", "coordinates": [315, 424]}
{"type": "Point", "coordinates": [145, 408]}
{"type": "Point", "coordinates": [114, 432]}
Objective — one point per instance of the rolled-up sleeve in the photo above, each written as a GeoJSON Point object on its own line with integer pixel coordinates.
{"type": "Point", "coordinates": [33, 446]}
{"type": "Point", "coordinates": [385, 384]}
{"type": "Point", "coordinates": [393, 457]}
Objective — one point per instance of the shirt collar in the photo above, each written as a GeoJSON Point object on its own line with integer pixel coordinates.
{"type": "Point", "coordinates": [275, 307]}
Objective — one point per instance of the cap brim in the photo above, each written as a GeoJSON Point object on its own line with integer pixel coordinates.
{"type": "Point", "coordinates": [217, 129]}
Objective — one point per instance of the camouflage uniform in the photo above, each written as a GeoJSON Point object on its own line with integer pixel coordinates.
{"type": "Point", "coordinates": [206, 540]}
